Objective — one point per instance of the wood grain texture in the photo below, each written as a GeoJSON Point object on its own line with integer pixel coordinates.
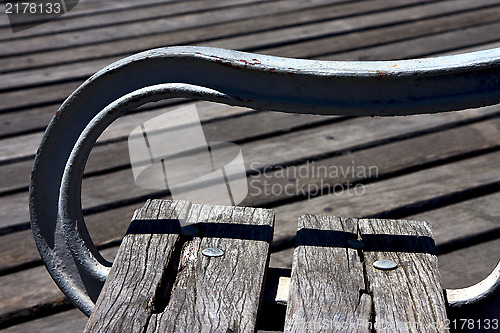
{"type": "Point", "coordinates": [410, 297]}
{"type": "Point", "coordinates": [308, 143]}
{"type": "Point", "coordinates": [327, 277]}
{"type": "Point", "coordinates": [310, 31]}
{"type": "Point", "coordinates": [71, 321]}
{"type": "Point", "coordinates": [296, 13]}
{"type": "Point", "coordinates": [137, 271]}
{"type": "Point", "coordinates": [110, 225]}
{"type": "Point", "coordinates": [335, 286]}
{"type": "Point", "coordinates": [223, 293]}
{"type": "Point", "coordinates": [162, 282]}
{"type": "Point", "coordinates": [339, 46]}
{"type": "Point", "coordinates": [25, 285]}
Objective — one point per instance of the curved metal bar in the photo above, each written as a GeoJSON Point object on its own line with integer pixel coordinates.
{"type": "Point", "coordinates": [70, 213]}
{"type": "Point", "coordinates": [380, 88]}
{"type": "Point", "coordinates": [477, 293]}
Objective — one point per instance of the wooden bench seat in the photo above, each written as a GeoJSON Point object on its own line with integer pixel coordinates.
{"type": "Point", "coordinates": [163, 279]}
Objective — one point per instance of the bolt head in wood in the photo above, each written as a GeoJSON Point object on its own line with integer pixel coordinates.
{"type": "Point", "coordinates": [385, 264]}
{"type": "Point", "coordinates": [212, 252]}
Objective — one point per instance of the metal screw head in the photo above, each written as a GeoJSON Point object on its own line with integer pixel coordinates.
{"type": "Point", "coordinates": [385, 264]}
{"type": "Point", "coordinates": [212, 252]}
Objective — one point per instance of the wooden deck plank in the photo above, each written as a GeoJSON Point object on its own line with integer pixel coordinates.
{"type": "Point", "coordinates": [329, 277]}
{"type": "Point", "coordinates": [433, 44]}
{"type": "Point", "coordinates": [139, 268]}
{"type": "Point", "coordinates": [312, 143]}
{"type": "Point", "coordinates": [108, 156]}
{"type": "Point", "coordinates": [71, 321]}
{"type": "Point", "coordinates": [465, 222]}
{"type": "Point", "coordinates": [74, 321]}
{"type": "Point", "coordinates": [86, 7]}
{"type": "Point", "coordinates": [252, 41]}
{"type": "Point", "coordinates": [418, 190]}
{"type": "Point", "coordinates": [355, 206]}
{"type": "Point", "coordinates": [19, 250]}
{"type": "Point", "coordinates": [340, 47]}
{"type": "Point", "coordinates": [135, 29]}
{"type": "Point", "coordinates": [198, 278]}
{"type": "Point", "coordinates": [112, 222]}
{"type": "Point", "coordinates": [46, 94]}
{"type": "Point", "coordinates": [227, 292]}
{"type": "Point", "coordinates": [100, 17]}
{"type": "Point", "coordinates": [379, 20]}
{"type": "Point", "coordinates": [320, 299]}
{"type": "Point", "coordinates": [370, 208]}
{"type": "Point", "coordinates": [28, 293]}
{"type": "Point", "coordinates": [246, 25]}
{"type": "Point", "coordinates": [388, 159]}
{"type": "Point", "coordinates": [410, 297]}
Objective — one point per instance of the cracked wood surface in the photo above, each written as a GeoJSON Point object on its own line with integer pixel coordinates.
{"type": "Point", "coordinates": [137, 270]}
{"type": "Point", "coordinates": [334, 286]}
{"type": "Point", "coordinates": [160, 281]}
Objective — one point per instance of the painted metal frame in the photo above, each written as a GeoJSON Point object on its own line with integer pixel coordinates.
{"type": "Point", "coordinates": [376, 88]}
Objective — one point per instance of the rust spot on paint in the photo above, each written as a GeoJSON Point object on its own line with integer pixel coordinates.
{"type": "Point", "coordinates": [255, 62]}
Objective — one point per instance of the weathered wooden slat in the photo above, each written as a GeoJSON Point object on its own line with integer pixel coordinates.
{"type": "Point", "coordinates": [341, 46]}
{"type": "Point", "coordinates": [101, 17]}
{"type": "Point", "coordinates": [12, 123]}
{"type": "Point", "coordinates": [138, 270]}
{"type": "Point", "coordinates": [272, 20]}
{"type": "Point", "coordinates": [388, 159]}
{"type": "Point", "coordinates": [28, 289]}
{"type": "Point", "coordinates": [309, 143]}
{"type": "Point", "coordinates": [403, 194]}
{"type": "Point", "coordinates": [480, 217]}
{"type": "Point", "coordinates": [115, 155]}
{"type": "Point", "coordinates": [350, 24]}
{"type": "Point", "coordinates": [332, 270]}
{"type": "Point", "coordinates": [41, 93]}
{"type": "Point", "coordinates": [93, 7]}
{"type": "Point", "coordinates": [327, 276]}
{"type": "Point", "coordinates": [29, 293]}
{"type": "Point", "coordinates": [436, 44]}
{"type": "Point", "coordinates": [254, 41]}
{"type": "Point", "coordinates": [410, 295]}
{"type": "Point", "coordinates": [220, 293]}
{"type": "Point", "coordinates": [135, 29]}
{"type": "Point", "coordinates": [110, 216]}
{"type": "Point", "coordinates": [463, 225]}
{"type": "Point", "coordinates": [71, 321]}
{"type": "Point", "coordinates": [192, 291]}
{"type": "Point", "coordinates": [474, 48]}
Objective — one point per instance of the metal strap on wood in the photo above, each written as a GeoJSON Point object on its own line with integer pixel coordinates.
{"type": "Point", "coordinates": [379, 88]}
